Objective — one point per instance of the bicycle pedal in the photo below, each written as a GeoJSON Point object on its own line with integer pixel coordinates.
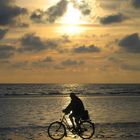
{"type": "Point", "coordinates": [73, 132]}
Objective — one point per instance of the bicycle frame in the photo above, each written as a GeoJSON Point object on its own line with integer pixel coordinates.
{"type": "Point", "coordinates": [65, 122]}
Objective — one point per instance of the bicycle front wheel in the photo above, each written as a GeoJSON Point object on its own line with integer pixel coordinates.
{"type": "Point", "coordinates": [56, 130]}
{"type": "Point", "coordinates": [87, 129]}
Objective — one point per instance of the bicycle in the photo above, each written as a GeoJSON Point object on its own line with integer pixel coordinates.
{"type": "Point", "coordinates": [58, 129]}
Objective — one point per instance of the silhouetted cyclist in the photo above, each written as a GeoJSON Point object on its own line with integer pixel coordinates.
{"type": "Point", "coordinates": [76, 108]}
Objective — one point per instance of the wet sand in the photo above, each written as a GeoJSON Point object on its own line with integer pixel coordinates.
{"type": "Point", "coordinates": [42, 135]}
{"type": "Point", "coordinates": [36, 136]}
{"type": "Point", "coordinates": [30, 134]}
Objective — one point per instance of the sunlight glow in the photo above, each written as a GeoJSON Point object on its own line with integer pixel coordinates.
{"type": "Point", "coordinates": [71, 22]}
{"type": "Point", "coordinates": [70, 29]}
{"type": "Point", "coordinates": [72, 16]}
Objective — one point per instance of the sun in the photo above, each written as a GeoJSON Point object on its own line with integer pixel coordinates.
{"type": "Point", "coordinates": [72, 16]}
{"type": "Point", "coordinates": [71, 21]}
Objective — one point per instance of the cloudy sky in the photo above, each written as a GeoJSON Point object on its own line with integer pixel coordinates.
{"type": "Point", "coordinates": [70, 41]}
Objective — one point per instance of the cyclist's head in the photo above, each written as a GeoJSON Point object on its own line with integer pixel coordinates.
{"type": "Point", "coordinates": [72, 95]}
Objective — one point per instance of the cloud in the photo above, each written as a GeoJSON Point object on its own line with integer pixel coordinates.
{"type": "Point", "coordinates": [38, 15]}
{"type": "Point", "coordinates": [33, 43]}
{"type": "Point", "coordinates": [4, 61]}
{"type": "Point", "coordinates": [47, 60]}
{"type": "Point", "coordinates": [120, 63]}
{"type": "Point", "coordinates": [70, 62]}
{"type": "Point", "coordinates": [112, 19]}
{"type": "Point", "coordinates": [87, 49]}
{"type": "Point", "coordinates": [56, 11]}
{"type": "Point", "coordinates": [23, 25]}
{"type": "Point", "coordinates": [110, 5]}
{"type": "Point", "coordinates": [114, 60]}
{"type": "Point", "coordinates": [130, 67]}
{"type": "Point", "coordinates": [83, 6]}
{"type": "Point", "coordinates": [59, 67]}
{"type": "Point", "coordinates": [43, 62]}
{"type": "Point", "coordinates": [9, 11]}
{"type": "Point", "coordinates": [2, 33]}
{"type": "Point", "coordinates": [6, 51]}
{"type": "Point", "coordinates": [135, 3]}
{"type": "Point", "coordinates": [20, 64]}
{"type": "Point", "coordinates": [65, 39]}
{"type": "Point", "coordinates": [130, 43]}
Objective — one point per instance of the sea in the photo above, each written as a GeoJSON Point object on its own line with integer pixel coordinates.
{"type": "Point", "coordinates": [30, 108]}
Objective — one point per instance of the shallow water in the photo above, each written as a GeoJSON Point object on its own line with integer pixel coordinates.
{"type": "Point", "coordinates": [114, 116]}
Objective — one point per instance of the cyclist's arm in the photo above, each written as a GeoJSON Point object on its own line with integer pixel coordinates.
{"type": "Point", "coordinates": [68, 109]}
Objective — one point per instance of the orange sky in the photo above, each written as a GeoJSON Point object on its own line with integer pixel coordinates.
{"type": "Point", "coordinates": [70, 41]}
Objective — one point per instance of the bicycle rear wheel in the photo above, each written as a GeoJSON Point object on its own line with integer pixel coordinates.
{"type": "Point", "coordinates": [56, 130]}
{"type": "Point", "coordinates": [87, 129]}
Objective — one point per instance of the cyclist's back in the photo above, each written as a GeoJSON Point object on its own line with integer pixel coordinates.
{"type": "Point", "coordinates": [76, 106]}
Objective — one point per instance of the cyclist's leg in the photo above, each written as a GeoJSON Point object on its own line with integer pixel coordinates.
{"type": "Point", "coordinates": [72, 120]}
{"type": "Point", "coordinates": [77, 121]}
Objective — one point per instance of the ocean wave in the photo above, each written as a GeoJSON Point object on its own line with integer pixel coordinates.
{"type": "Point", "coordinates": [67, 94]}
{"type": "Point", "coordinates": [65, 89]}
